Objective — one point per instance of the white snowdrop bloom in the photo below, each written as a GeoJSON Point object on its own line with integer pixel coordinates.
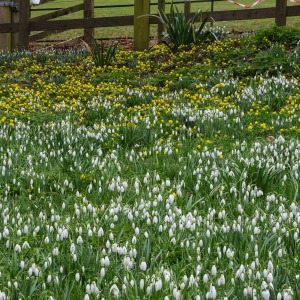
{"type": "Point", "coordinates": [79, 240]}
{"type": "Point", "coordinates": [192, 280]}
{"type": "Point", "coordinates": [167, 275]}
{"type": "Point", "coordinates": [106, 261]}
{"type": "Point", "coordinates": [205, 278]}
{"type": "Point", "coordinates": [25, 245]}
{"type": "Point", "coordinates": [265, 295]}
{"type": "Point", "coordinates": [171, 198]}
{"type": "Point", "coordinates": [296, 235]}
{"type": "Point", "coordinates": [168, 182]}
{"type": "Point", "coordinates": [287, 294]}
{"type": "Point", "coordinates": [256, 230]}
{"type": "Point", "coordinates": [115, 290]}
{"type": "Point", "coordinates": [100, 232]}
{"type": "Point", "coordinates": [158, 285]}
{"type": "Point", "coordinates": [55, 251]}
{"type": "Point", "coordinates": [86, 297]}
{"type": "Point", "coordinates": [17, 248]}
{"type": "Point", "coordinates": [270, 278]}
{"type": "Point", "coordinates": [88, 289]}
{"type": "Point", "coordinates": [212, 292]}
{"type": "Point", "coordinates": [176, 294]}
{"type": "Point", "coordinates": [213, 270]}
{"type": "Point", "coordinates": [72, 248]}
{"type": "Point", "coordinates": [77, 277]}
{"type": "Point", "coordinates": [30, 271]}
{"type": "Point", "coordinates": [229, 253]}
{"type": "Point", "coordinates": [16, 285]}
{"type": "Point", "coordinates": [22, 264]}
{"type": "Point", "coordinates": [46, 240]}
{"type": "Point", "coordinates": [102, 272]}
{"type": "Point", "coordinates": [143, 266]}
{"type": "Point", "coordinates": [142, 283]}
{"type": "Point", "coordinates": [49, 278]}
{"type": "Point", "coordinates": [221, 280]}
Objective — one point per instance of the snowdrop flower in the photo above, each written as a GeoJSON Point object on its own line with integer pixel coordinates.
{"type": "Point", "coordinates": [158, 285]}
{"type": "Point", "coordinates": [221, 280]}
{"type": "Point", "coordinates": [102, 272]}
{"type": "Point", "coordinates": [270, 278]}
{"type": "Point", "coordinates": [17, 248]}
{"type": "Point", "coordinates": [213, 270]}
{"type": "Point", "coordinates": [79, 240]}
{"type": "Point", "coordinates": [205, 278]}
{"type": "Point", "coordinates": [143, 266]}
{"type": "Point", "coordinates": [22, 264]}
{"type": "Point", "coordinates": [115, 290]}
{"type": "Point", "coordinates": [212, 294]}
{"type": "Point", "coordinates": [142, 283]}
{"type": "Point", "coordinates": [265, 295]}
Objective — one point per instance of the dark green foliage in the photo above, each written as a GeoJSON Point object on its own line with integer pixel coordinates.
{"type": "Point", "coordinates": [179, 30]}
{"type": "Point", "coordinates": [283, 35]}
{"type": "Point", "coordinates": [101, 56]}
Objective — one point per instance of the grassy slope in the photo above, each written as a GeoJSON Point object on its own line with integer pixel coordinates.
{"type": "Point", "coordinates": [243, 25]}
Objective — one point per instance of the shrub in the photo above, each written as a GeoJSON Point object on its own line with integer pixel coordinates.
{"type": "Point", "coordinates": [180, 30]}
{"type": "Point", "coordinates": [101, 56]}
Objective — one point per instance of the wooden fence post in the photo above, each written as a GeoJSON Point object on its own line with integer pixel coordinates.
{"type": "Point", "coordinates": [24, 14]}
{"type": "Point", "coordinates": [160, 27]}
{"type": "Point", "coordinates": [5, 17]}
{"type": "Point", "coordinates": [89, 13]}
{"type": "Point", "coordinates": [141, 24]}
{"type": "Point", "coordinates": [280, 14]}
{"type": "Point", "coordinates": [15, 19]}
{"type": "Point", "coordinates": [187, 7]}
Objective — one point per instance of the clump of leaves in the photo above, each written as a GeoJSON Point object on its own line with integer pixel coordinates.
{"type": "Point", "coordinates": [274, 60]}
{"type": "Point", "coordinates": [282, 35]}
{"type": "Point", "coordinates": [101, 56]}
{"type": "Point", "coordinates": [182, 31]}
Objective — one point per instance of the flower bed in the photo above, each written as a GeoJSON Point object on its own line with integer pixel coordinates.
{"type": "Point", "coordinates": [163, 176]}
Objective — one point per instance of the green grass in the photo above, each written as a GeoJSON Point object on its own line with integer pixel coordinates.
{"type": "Point", "coordinates": [125, 31]}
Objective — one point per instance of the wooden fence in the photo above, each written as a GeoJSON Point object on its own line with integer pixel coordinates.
{"type": "Point", "coordinates": [15, 22]}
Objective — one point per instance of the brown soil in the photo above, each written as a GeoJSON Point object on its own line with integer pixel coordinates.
{"type": "Point", "coordinates": [124, 44]}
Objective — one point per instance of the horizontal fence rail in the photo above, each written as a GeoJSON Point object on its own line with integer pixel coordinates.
{"type": "Point", "coordinates": [46, 24]}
